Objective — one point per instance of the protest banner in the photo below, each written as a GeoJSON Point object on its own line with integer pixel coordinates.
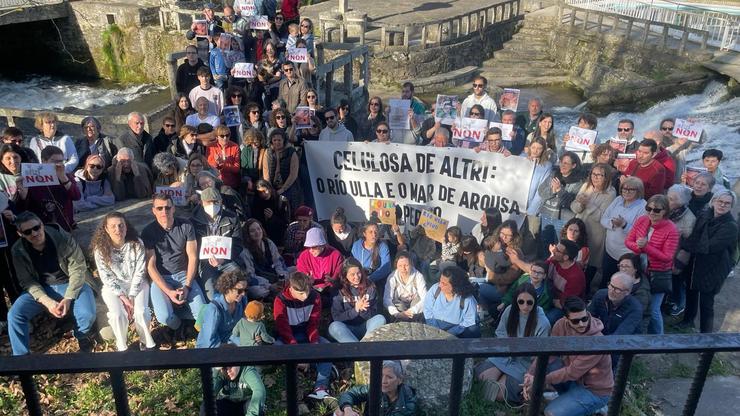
{"type": "Point", "coordinates": [510, 99]}
{"type": "Point", "coordinates": [215, 246]}
{"type": "Point", "coordinates": [469, 132]}
{"type": "Point", "coordinates": [39, 174]}
{"type": "Point", "coordinates": [618, 144]}
{"type": "Point", "coordinates": [398, 115]}
{"type": "Point", "coordinates": [506, 130]}
{"type": "Point", "coordinates": [245, 8]}
{"type": "Point", "coordinates": [623, 161]}
{"type": "Point", "coordinates": [580, 139]}
{"type": "Point", "coordinates": [259, 23]}
{"type": "Point", "coordinates": [384, 209]}
{"type": "Point", "coordinates": [684, 129]}
{"type": "Point", "coordinates": [446, 109]}
{"type": "Point", "coordinates": [232, 116]}
{"type": "Point", "coordinates": [302, 118]}
{"type": "Point", "coordinates": [455, 184]}
{"type": "Point", "coordinates": [176, 193]}
{"type": "Point", "coordinates": [200, 27]}
{"type": "Point", "coordinates": [297, 55]}
{"type": "Point", "coordinates": [434, 226]}
{"type": "Point", "coordinates": [691, 174]}
{"type": "Point", "coordinates": [244, 70]}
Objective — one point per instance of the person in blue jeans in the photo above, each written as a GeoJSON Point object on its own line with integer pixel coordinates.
{"type": "Point", "coordinates": [172, 253]}
{"type": "Point", "coordinates": [355, 307]}
{"type": "Point", "coordinates": [583, 382]}
{"type": "Point", "coordinates": [51, 270]}
{"type": "Point", "coordinates": [297, 313]}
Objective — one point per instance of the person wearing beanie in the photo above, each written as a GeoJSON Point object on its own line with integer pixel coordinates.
{"type": "Point", "coordinates": [322, 262]}
{"type": "Point", "coordinates": [295, 234]}
{"type": "Point", "coordinates": [250, 330]}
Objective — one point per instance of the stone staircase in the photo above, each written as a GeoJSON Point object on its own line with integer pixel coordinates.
{"type": "Point", "coordinates": [524, 59]}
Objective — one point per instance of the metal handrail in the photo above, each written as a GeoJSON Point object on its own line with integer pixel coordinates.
{"type": "Point", "coordinates": [116, 363]}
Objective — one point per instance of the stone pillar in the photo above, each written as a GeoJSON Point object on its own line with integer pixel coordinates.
{"type": "Point", "coordinates": [343, 7]}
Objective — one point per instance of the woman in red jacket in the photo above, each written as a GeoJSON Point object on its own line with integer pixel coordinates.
{"type": "Point", "coordinates": [655, 236]}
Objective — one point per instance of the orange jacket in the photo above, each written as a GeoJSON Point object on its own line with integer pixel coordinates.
{"type": "Point", "coordinates": [230, 162]}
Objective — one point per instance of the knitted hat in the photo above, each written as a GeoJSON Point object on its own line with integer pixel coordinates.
{"type": "Point", "coordinates": [304, 211]}
{"type": "Point", "coordinates": [254, 310]}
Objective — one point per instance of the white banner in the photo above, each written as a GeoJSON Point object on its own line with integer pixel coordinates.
{"type": "Point", "coordinates": [455, 184]}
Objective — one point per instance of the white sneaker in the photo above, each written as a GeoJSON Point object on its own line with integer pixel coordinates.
{"type": "Point", "coordinates": [319, 394]}
{"type": "Point", "coordinates": [550, 395]}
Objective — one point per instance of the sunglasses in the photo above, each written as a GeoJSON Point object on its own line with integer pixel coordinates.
{"type": "Point", "coordinates": [478, 85]}
{"type": "Point", "coordinates": [667, 128]}
{"type": "Point", "coordinates": [241, 291]}
{"type": "Point", "coordinates": [381, 131]}
{"type": "Point", "coordinates": [236, 95]}
{"type": "Point", "coordinates": [475, 114]}
{"type": "Point", "coordinates": [279, 117]}
{"type": "Point", "coordinates": [329, 117]}
{"type": "Point", "coordinates": [254, 111]}
{"type": "Point", "coordinates": [169, 125]}
{"type": "Point", "coordinates": [577, 321]}
{"type": "Point", "coordinates": [164, 208]}
{"type": "Point", "coordinates": [623, 130]}
{"type": "Point", "coordinates": [31, 230]}
{"type": "Point", "coordinates": [310, 96]}
{"type": "Point", "coordinates": [95, 166]}
{"type": "Point", "coordinates": [529, 302]}
{"type": "Point", "coordinates": [288, 69]}
{"type": "Point", "coordinates": [224, 136]}
{"type": "Point", "coordinates": [653, 209]}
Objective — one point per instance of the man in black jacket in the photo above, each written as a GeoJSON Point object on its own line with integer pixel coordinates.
{"type": "Point", "coordinates": [187, 77]}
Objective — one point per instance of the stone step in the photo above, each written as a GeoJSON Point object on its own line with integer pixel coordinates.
{"type": "Point", "coordinates": [532, 63]}
{"type": "Point", "coordinates": [505, 82]}
{"type": "Point", "coordinates": [443, 81]}
{"type": "Point", "coordinates": [529, 38]}
{"type": "Point", "coordinates": [523, 70]}
{"type": "Point", "coordinates": [522, 46]}
{"type": "Point", "coordinates": [530, 31]}
{"type": "Point", "coordinates": [519, 55]}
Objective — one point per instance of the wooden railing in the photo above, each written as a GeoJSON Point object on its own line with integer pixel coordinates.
{"type": "Point", "coordinates": [448, 30]}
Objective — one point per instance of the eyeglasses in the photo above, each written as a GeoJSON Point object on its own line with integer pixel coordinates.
{"type": "Point", "coordinates": [169, 125]}
{"type": "Point", "coordinates": [667, 128]}
{"type": "Point", "coordinates": [577, 321]}
{"type": "Point", "coordinates": [31, 230]}
{"type": "Point", "coordinates": [529, 302]}
{"type": "Point", "coordinates": [95, 166]}
{"type": "Point", "coordinates": [723, 203]}
{"type": "Point", "coordinates": [223, 136]}
{"type": "Point", "coordinates": [629, 189]}
{"type": "Point", "coordinates": [478, 85]}
{"type": "Point", "coordinates": [164, 208]}
{"type": "Point", "coordinates": [311, 96]}
{"type": "Point", "coordinates": [476, 114]}
{"type": "Point", "coordinates": [279, 117]}
{"type": "Point", "coordinates": [617, 289]}
{"type": "Point", "coordinates": [653, 209]}
{"type": "Point", "coordinates": [598, 175]}
{"type": "Point", "coordinates": [624, 129]}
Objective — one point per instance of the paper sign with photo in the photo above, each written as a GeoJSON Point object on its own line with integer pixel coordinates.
{"type": "Point", "coordinates": [176, 193]}
{"type": "Point", "coordinates": [446, 109]}
{"type": "Point", "coordinates": [510, 99]}
{"type": "Point", "coordinates": [623, 161]}
{"type": "Point", "coordinates": [259, 23]}
{"type": "Point", "coordinates": [506, 130]}
{"type": "Point", "coordinates": [684, 129]}
{"type": "Point", "coordinates": [232, 117]}
{"type": "Point", "coordinates": [472, 130]}
{"type": "Point", "coordinates": [434, 226]}
{"type": "Point", "coordinates": [244, 70]}
{"type": "Point", "coordinates": [384, 209]}
{"type": "Point", "coordinates": [618, 144]}
{"type": "Point", "coordinates": [200, 27]}
{"type": "Point", "coordinates": [580, 139]}
{"type": "Point", "coordinates": [215, 246]}
{"type": "Point", "coordinates": [297, 55]}
{"type": "Point", "coordinates": [39, 174]}
{"type": "Point", "coordinates": [398, 114]}
{"type": "Point", "coordinates": [302, 118]}
{"type": "Point", "coordinates": [692, 173]}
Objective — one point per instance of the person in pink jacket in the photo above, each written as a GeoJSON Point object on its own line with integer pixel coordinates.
{"type": "Point", "coordinates": [655, 236]}
{"type": "Point", "coordinates": [320, 261]}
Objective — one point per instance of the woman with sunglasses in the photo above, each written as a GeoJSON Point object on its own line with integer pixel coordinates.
{"type": "Point", "coordinates": [94, 142]}
{"type": "Point", "coordinates": [503, 376]}
{"type": "Point", "coordinates": [235, 96]}
{"type": "Point", "coordinates": [279, 119]}
{"type": "Point", "coordinates": [253, 119]}
{"type": "Point", "coordinates": [218, 318]}
{"type": "Point", "coordinates": [224, 156]}
{"type": "Point", "coordinates": [382, 133]}
{"type": "Point", "coordinates": [306, 33]}
{"type": "Point", "coordinates": [656, 237]}
{"type": "Point", "coordinates": [375, 115]}
{"type": "Point", "coordinates": [94, 185]}
{"type": "Point", "coordinates": [312, 98]}
{"type": "Point", "coordinates": [120, 258]}
{"type": "Point", "coordinates": [271, 63]}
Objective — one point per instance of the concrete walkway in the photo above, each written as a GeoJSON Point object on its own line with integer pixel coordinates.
{"type": "Point", "coordinates": [721, 396]}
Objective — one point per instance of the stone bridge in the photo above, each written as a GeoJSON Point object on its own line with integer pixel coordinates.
{"type": "Point", "coordinates": [24, 11]}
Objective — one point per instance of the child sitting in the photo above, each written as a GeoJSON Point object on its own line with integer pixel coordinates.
{"type": "Point", "coordinates": [251, 330]}
{"type": "Point", "coordinates": [451, 246]}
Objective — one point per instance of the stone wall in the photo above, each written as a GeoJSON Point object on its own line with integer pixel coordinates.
{"type": "Point", "coordinates": [391, 65]}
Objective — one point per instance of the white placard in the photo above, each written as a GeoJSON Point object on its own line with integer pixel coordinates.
{"type": "Point", "coordinates": [215, 246]}
{"type": "Point", "coordinates": [39, 174]}
{"type": "Point", "coordinates": [470, 129]}
{"type": "Point", "coordinates": [580, 139]}
{"type": "Point", "coordinates": [259, 23]}
{"type": "Point", "coordinates": [176, 193]}
{"type": "Point", "coordinates": [684, 129]}
{"type": "Point", "coordinates": [506, 130]}
{"type": "Point", "coordinates": [398, 114]}
{"type": "Point", "coordinates": [244, 70]}
{"type": "Point", "coordinates": [297, 55]}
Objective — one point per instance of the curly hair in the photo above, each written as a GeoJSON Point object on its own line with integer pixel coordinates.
{"type": "Point", "coordinates": [582, 236]}
{"type": "Point", "coordinates": [459, 281]}
{"type": "Point", "coordinates": [346, 286]}
{"type": "Point", "coordinates": [101, 240]}
{"type": "Point", "coordinates": [274, 113]}
{"type": "Point", "coordinates": [516, 238]}
{"type": "Point", "coordinates": [228, 280]}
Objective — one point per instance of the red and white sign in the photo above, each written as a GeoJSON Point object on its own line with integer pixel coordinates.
{"type": "Point", "coordinates": [215, 246]}
{"type": "Point", "coordinates": [297, 55]}
{"type": "Point", "coordinates": [684, 129]}
{"type": "Point", "coordinates": [259, 23]}
{"type": "Point", "coordinates": [39, 174]}
{"type": "Point", "coordinates": [580, 139]}
{"type": "Point", "coordinates": [470, 129]}
{"type": "Point", "coordinates": [244, 70]}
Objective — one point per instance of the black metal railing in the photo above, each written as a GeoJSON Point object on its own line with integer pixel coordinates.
{"type": "Point", "coordinates": [117, 363]}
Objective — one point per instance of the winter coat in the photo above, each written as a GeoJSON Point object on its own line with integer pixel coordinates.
{"type": "Point", "coordinates": [405, 404]}
{"type": "Point", "coordinates": [623, 319]}
{"type": "Point", "coordinates": [712, 244]}
{"type": "Point", "coordinates": [661, 246]}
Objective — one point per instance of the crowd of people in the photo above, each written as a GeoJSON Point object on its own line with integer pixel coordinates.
{"type": "Point", "coordinates": [603, 249]}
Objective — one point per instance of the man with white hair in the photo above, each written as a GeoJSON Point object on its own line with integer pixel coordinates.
{"type": "Point", "coordinates": [441, 138]}
{"type": "Point", "coordinates": [620, 312]}
{"type": "Point", "coordinates": [129, 179]}
{"type": "Point", "coordinates": [137, 139]}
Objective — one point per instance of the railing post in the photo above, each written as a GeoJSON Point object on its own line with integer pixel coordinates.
{"type": "Point", "coordinates": [439, 34]}
{"type": "Point", "coordinates": [573, 17]}
{"type": "Point", "coordinates": [347, 70]}
{"type": "Point", "coordinates": [424, 37]}
{"type": "Point", "coordinates": [620, 383]}
{"type": "Point", "coordinates": [697, 384]}
{"type": "Point", "coordinates": [376, 376]}
{"type": "Point", "coordinates": [684, 37]}
{"type": "Point", "coordinates": [366, 70]}
{"type": "Point", "coordinates": [291, 389]}
{"type": "Point", "coordinates": [601, 22]}
{"type": "Point", "coordinates": [328, 87]}
{"type": "Point", "coordinates": [704, 39]}
{"type": "Point", "coordinates": [206, 382]}
{"type": "Point", "coordinates": [629, 27]}
{"type": "Point", "coordinates": [585, 20]}
{"type": "Point", "coordinates": [538, 385]}
{"type": "Point", "coordinates": [31, 395]}
{"type": "Point", "coordinates": [172, 74]}
{"type": "Point", "coordinates": [406, 35]}
{"type": "Point", "coordinates": [646, 34]}
{"type": "Point", "coordinates": [665, 36]}
{"type": "Point", "coordinates": [383, 37]}
{"type": "Point", "coordinates": [456, 382]}
{"type": "Point", "coordinates": [118, 385]}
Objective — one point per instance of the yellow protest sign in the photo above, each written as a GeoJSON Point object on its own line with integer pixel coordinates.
{"type": "Point", "coordinates": [434, 226]}
{"type": "Point", "coordinates": [385, 210]}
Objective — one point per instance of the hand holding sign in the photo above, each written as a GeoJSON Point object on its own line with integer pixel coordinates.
{"type": "Point", "coordinates": [384, 209]}
{"type": "Point", "coordinates": [580, 139]}
{"type": "Point", "coordinates": [434, 226]}
{"type": "Point", "coordinates": [177, 194]}
{"type": "Point", "coordinates": [685, 129]}
{"type": "Point", "coordinates": [259, 23]}
{"type": "Point", "coordinates": [297, 55]}
{"type": "Point", "coordinates": [215, 247]}
{"type": "Point", "coordinates": [398, 114]}
{"type": "Point", "coordinates": [39, 174]}
{"type": "Point", "coordinates": [243, 70]}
